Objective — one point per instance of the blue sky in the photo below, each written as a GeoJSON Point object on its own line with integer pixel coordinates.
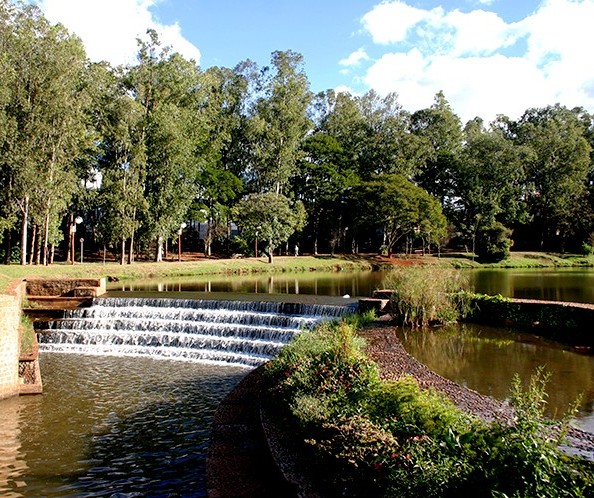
{"type": "Point", "coordinates": [489, 57]}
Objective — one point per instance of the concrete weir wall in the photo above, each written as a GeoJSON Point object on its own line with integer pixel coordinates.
{"type": "Point", "coordinates": [10, 319]}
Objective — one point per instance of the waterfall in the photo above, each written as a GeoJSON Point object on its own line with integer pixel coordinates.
{"type": "Point", "coordinates": [242, 333]}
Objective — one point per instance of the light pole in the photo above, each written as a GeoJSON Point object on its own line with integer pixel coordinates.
{"type": "Point", "coordinates": [77, 221]}
{"type": "Point", "coordinates": [179, 234]}
{"type": "Point", "coordinates": [81, 249]}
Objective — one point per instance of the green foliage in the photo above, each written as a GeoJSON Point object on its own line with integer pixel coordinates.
{"type": "Point", "coordinates": [27, 335]}
{"type": "Point", "coordinates": [397, 439]}
{"type": "Point", "coordinates": [269, 217]}
{"type": "Point", "coordinates": [424, 295]}
{"type": "Point", "coordinates": [327, 362]}
{"type": "Point", "coordinates": [494, 243]}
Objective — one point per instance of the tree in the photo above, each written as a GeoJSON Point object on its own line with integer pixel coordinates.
{"type": "Point", "coordinates": [489, 183]}
{"type": "Point", "coordinates": [442, 131]}
{"type": "Point", "coordinates": [121, 161]}
{"type": "Point", "coordinates": [169, 135]}
{"type": "Point", "coordinates": [280, 122]}
{"type": "Point", "coordinates": [47, 105]}
{"type": "Point", "coordinates": [323, 178]}
{"type": "Point", "coordinates": [400, 208]}
{"type": "Point", "coordinates": [270, 217]}
{"type": "Point", "coordinates": [558, 172]}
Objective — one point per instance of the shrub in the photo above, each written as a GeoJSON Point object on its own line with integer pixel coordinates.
{"type": "Point", "coordinates": [425, 295]}
{"type": "Point", "coordinates": [326, 362]}
{"type": "Point", "coordinates": [494, 243]}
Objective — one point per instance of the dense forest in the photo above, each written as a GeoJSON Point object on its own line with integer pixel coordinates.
{"type": "Point", "coordinates": [134, 159]}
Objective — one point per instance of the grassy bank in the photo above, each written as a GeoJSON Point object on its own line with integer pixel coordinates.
{"type": "Point", "coordinates": [519, 260]}
{"type": "Point", "coordinates": [143, 270]}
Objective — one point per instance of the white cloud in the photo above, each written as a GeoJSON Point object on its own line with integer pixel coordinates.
{"type": "Point", "coordinates": [109, 28]}
{"type": "Point", "coordinates": [475, 57]}
{"type": "Point", "coordinates": [355, 58]}
{"type": "Point", "coordinates": [390, 22]}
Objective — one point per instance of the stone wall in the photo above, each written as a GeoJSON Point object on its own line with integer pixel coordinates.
{"type": "Point", "coordinates": [10, 319]}
{"type": "Point", "coordinates": [72, 287]}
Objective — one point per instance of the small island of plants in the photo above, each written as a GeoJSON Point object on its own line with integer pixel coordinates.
{"type": "Point", "coordinates": [394, 438]}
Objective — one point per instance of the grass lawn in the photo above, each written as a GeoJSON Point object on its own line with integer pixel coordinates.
{"type": "Point", "coordinates": [143, 270]}
{"type": "Point", "coordinates": [214, 266]}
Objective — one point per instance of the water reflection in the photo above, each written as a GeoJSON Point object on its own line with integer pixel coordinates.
{"type": "Point", "coordinates": [13, 465]}
{"type": "Point", "coordinates": [485, 359]}
{"type": "Point", "coordinates": [107, 426]}
{"type": "Point", "coordinates": [355, 284]}
{"type": "Point", "coordinates": [550, 284]}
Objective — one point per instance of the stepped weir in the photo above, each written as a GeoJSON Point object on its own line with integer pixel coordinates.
{"type": "Point", "coordinates": [241, 333]}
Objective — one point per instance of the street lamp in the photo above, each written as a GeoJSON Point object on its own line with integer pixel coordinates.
{"type": "Point", "coordinates": [77, 221]}
{"type": "Point", "coordinates": [179, 234]}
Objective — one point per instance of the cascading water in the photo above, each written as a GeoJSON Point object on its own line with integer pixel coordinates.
{"type": "Point", "coordinates": [231, 332]}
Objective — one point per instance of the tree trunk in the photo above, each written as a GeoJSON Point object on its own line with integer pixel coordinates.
{"type": "Point", "coordinates": [52, 254]}
{"type": "Point", "coordinates": [33, 239]}
{"type": "Point", "coordinates": [123, 252]}
{"type": "Point", "coordinates": [131, 250]}
{"type": "Point", "coordinates": [24, 226]}
{"type": "Point", "coordinates": [46, 237]}
{"type": "Point", "coordinates": [8, 247]}
{"type": "Point", "coordinates": [159, 252]}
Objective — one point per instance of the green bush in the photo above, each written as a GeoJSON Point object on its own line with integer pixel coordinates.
{"type": "Point", "coordinates": [326, 362]}
{"type": "Point", "coordinates": [494, 243]}
{"type": "Point", "coordinates": [425, 295]}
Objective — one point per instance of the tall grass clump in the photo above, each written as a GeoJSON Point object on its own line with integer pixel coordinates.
{"type": "Point", "coordinates": [426, 295]}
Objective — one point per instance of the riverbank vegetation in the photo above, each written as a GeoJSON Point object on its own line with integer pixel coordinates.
{"type": "Point", "coordinates": [132, 162]}
{"type": "Point", "coordinates": [398, 439]}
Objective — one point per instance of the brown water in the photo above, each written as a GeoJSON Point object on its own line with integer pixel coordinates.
{"type": "Point", "coordinates": [108, 426]}
{"type": "Point", "coordinates": [486, 359]}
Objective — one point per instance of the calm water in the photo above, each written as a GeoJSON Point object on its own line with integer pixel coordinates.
{"type": "Point", "coordinates": [486, 358]}
{"type": "Point", "coordinates": [355, 284]}
{"type": "Point", "coordinates": [108, 426]}
{"type": "Point", "coordinates": [550, 284]}
{"type": "Point", "coordinates": [565, 284]}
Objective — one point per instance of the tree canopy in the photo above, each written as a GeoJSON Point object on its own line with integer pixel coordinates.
{"type": "Point", "coordinates": [238, 154]}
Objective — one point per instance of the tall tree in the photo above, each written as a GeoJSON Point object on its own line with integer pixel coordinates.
{"type": "Point", "coordinates": [48, 106]}
{"type": "Point", "coordinates": [165, 84]}
{"type": "Point", "coordinates": [280, 121]}
{"type": "Point", "coordinates": [442, 130]}
{"type": "Point", "coordinates": [490, 185]}
{"type": "Point", "coordinates": [558, 173]}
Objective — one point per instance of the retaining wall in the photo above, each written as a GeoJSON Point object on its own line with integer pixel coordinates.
{"type": "Point", "coordinates": [10, 319]}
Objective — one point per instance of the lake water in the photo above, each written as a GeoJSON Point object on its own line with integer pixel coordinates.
{"type": "Point", "coordinates": [109, 426]}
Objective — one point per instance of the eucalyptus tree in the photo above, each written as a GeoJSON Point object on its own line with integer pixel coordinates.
{"type": "Point", "coordinates": [558, 173]}
{"type": "Point", "coordinates": [47, 107]}
{"type": "Point", "coordinates": [441, 129]}
{"type": "Point", "coordinates": [165, 85]}
{"type": "Point", "coordinates": [386, 143]}
{"type": "Point", "coordinates": [121, 161]}
{"type": "Point", "coordinates": [270, 217]}
{"type": "Point", "coordinates": [220, 156]}
{"type": "Point", "coordinates": [279, 122]}
{"type": "Point", "coordinates": [325, 175]}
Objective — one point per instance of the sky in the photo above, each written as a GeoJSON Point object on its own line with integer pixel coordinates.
{"type": "Point", "coordinates": [489, 57]}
